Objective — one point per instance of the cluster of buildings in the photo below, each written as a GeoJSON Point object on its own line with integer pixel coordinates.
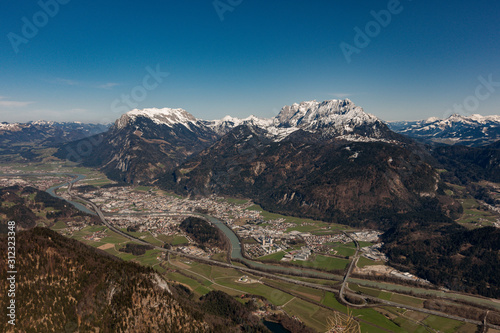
{"type": "Point", "coordinates": [373, 252]}
{"type": "Point", "coordinates": [193, 250]}
{"type": "Point", "coordinates": [407, 276]}
{"type": "Point", "coordinates": [167, 225]}
{"type": "Point", "coordinates": [303, 254]}
{"type": "Point", "coordinates": [318, 243]}
{"type": "Point", "coordinates": [40, 182]}
{"type": "Point", "coordinates": [371, 236]}
{"type": "Point", "coordinates": [96, 236]}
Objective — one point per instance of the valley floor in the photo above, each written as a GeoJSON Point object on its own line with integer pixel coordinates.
{"type": "Point", "coordinates": [322, 253]}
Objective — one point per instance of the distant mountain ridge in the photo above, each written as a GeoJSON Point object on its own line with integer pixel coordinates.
{"type": "Point", "coordinates": [47, 132]}
{"type": "Point", "coordinates": [143, 144]}
{"type": "Point", "coordinates": [474, 130]}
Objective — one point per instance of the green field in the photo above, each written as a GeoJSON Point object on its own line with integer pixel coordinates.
{"type": "Point", "coordinates": [370, 315]}
{"type": "Point", "coordinates": [173, 240]}
{"type": "Point", "coordinates": [142, 188]}
{"type": "Point", "coordinates": [273, 256]}
{"type": "Point", "coordinates": [236, 201]}
{"type": "Point", "coordinates": [362, 262]}
{"type": "Point", "coordinates": [114, 238]}
{"type": "Point", "coordinates": [220, 257]}
{"type": "Point", "coordinates": [274, 296]}
{"type": "Point", "coordinates": [343, 250]}
{"type": "Point", "coordinates": [317, 225]}
{"type": "Point", "coordinates": [323, 263]}
{"type": "Point", "coordinates": [59, 225]}
{"type": "Point", "coordinates": [389, 296]}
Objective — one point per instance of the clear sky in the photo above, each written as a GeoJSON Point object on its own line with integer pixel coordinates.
{"type": "Point", "coordinates": [247, 57]}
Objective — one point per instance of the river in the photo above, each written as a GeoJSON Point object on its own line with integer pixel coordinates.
{"type": "Point", "coordinates": [236, 254]}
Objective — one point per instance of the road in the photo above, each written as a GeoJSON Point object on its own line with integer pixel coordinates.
{"type": "Point", "coordinates": [353, 264]}
{"type": "Point", "coordinates": [289, 280]}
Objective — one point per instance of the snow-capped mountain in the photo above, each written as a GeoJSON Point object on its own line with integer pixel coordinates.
{"type": "Point", "coordinates": [314, 115]}
{"type": "Point", "coordinates": [47, 132]}
{"type": "Point", "coordinates": [474, 130]}
{"type": "Point", "coordinates": [144, 143]}
{"type": "Point", "coordinates": [226, 124]}
{"type": "Point", "coordinates": [165, 116]}
{"type": "Point", "coordinates": [334, 118]}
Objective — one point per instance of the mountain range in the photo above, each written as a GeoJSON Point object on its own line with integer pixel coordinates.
{"type": "Point", "coordinates": [327, 160]}
{"type": "Point", "coordinates": [144, 144]}
{"type": "Point", "coordinates": [47, 132]}
{"type": "Point", "coordinates": [474, 130]}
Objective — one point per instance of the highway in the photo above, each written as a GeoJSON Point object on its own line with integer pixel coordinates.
{"type": "Point", "coordinates": [352, 265]}
{"type": "Point", "coordinates": [289, 280]}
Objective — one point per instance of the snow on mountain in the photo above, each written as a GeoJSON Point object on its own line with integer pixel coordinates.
{"type": "Point", "coordinates": [334, 118]}
{"type": "Point", "coordinates": [455, 120]}
{"type": "Point", "coordinates": [341, 119]}
{"type": "Point", "coordinates": [164, 116]}
{"type": "Point", "coordinates": [226, 124]}
{"type": "Point", "coordinates": [340, 116]}
{"type": "Point", "coordinates": [314, 115]}
{"type": "Point", "coordinates": [470, 130]}
{"type": "Point", "coordinates": [10, 127]}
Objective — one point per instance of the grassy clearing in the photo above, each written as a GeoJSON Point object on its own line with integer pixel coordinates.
{"type": "Point", "coordinates": [143, 188]}
{"type": "Point", "coordinates": [274, 296]}
{"type": "Point", "coordinates": [274, 256]}
{"type": "Point", "coordinates": [59, 225]}
{"type": "Point", "coordinates": [220, 257]}
{"type": "Point", "coordinates": [323, 263]}
{"type": "Point", "coordinates": [474, 216]}
{"type": "Point", "coordinates": [443, 324]}
{"type": "Point", "coordinates": [149, 258]}
{"type": "Point", "coordinates": [173, 240]}
{"type": "Point", "coordinates": [317, 225]}
{"type": "Point", "coordinates": [97, 182]}
{"type": "Point", "coordinates": [362, 262]}
{"type": "Point", "coordinates": [236, 201]}
{"type": "Point", "coordinates": [150, 239]}
{"type": "Point", "coordinates": [311, 293]}
{"type": "Point", "coordinates": [201, 290]}
{"type": "Point", "coordinates": [342, 250]}
{"type": "Point", "coordinates": [308, 313]}
{"type": "Point", "coordinates": [177, 277]}
{"type": "Point", "coordinates": [369, 315]}
{"type": "Point", "coordinates": [408, 300]}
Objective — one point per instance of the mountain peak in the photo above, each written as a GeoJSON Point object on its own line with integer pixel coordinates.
{"type": "Point", "coordinates": [160, 116]}
{"type": "Point", "coordinates": [312, 115]}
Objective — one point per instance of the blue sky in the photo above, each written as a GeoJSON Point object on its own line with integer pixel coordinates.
{"type": "Point", "coordinates": [263, 55]}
